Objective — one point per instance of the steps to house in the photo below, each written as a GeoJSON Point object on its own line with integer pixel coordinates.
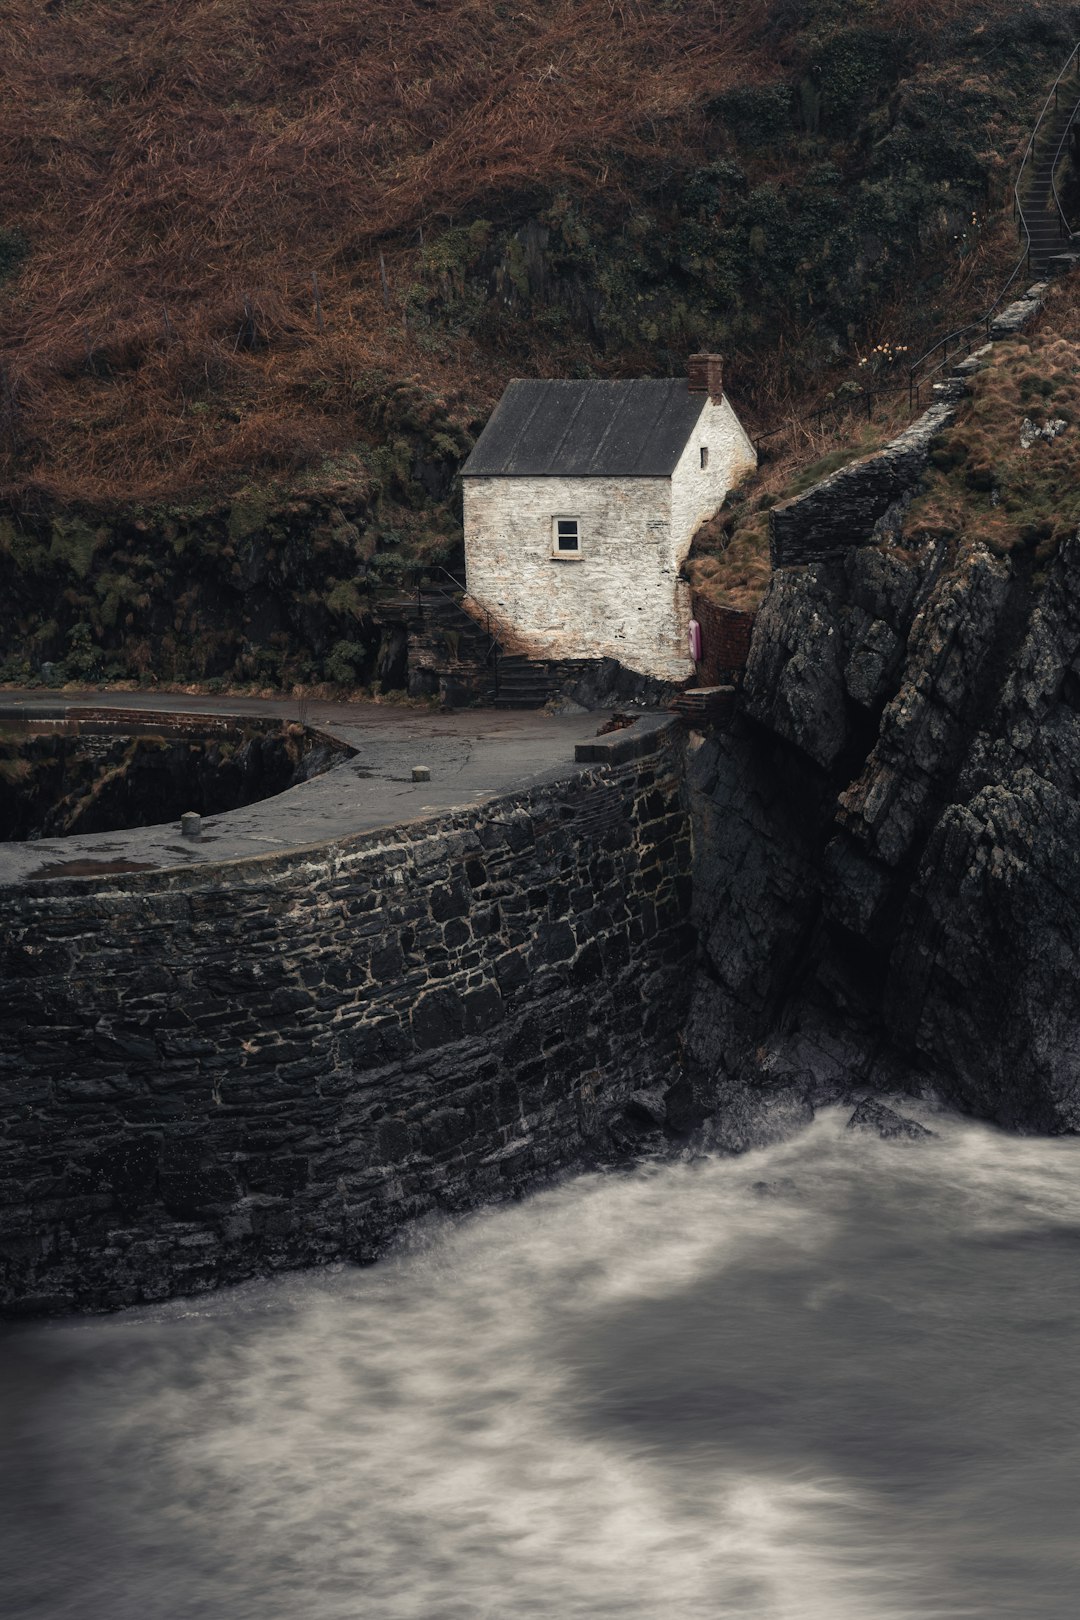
{"type": "Point", "coordinates": [509, 681]}
{"type": "Point", "coordinates": [529, 683]}
{"type": "Point", "coordinates": [430, 612]}
{"type": "Point", "coordinates": [705, 704]}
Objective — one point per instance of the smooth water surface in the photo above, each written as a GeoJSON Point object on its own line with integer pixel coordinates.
{"type": "Point", "coordinates": [832, 1380]}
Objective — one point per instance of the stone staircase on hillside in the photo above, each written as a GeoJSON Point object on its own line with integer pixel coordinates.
{"type": "Point", "coordinates": [1046, 230]}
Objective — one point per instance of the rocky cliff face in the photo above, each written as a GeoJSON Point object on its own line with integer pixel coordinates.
{"type": "Point", "coordinates": [888, 843]}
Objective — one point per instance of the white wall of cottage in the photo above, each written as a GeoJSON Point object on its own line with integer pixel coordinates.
{"type": "Point", "coordinates": [698, 494]}
{"type": "Point", "coordinates": [621, 597]}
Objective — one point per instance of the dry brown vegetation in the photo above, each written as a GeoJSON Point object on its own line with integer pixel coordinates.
{"type": "Point", "coordinates": [985, 486]}
{"type": "Point", "coordinates": [730, 562]}
{"type": "Point", "coordinates": [990, 481]}
{"type": "Point", "coordinates": [184, 171]}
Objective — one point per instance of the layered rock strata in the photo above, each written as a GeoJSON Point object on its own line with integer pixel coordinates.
{"type": "Point", "coordinates": [887, 868]}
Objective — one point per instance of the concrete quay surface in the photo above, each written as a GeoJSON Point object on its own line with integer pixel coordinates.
{"type": "Point", "coordinates": [474, 755]}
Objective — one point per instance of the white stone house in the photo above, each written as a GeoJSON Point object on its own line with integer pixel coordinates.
{"type": "Point", "coordinates": [581, 500]}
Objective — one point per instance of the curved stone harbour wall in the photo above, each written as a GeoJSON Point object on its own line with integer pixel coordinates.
{"type": "Point", "coordinates": [216, 1072]}
{"type": "Point", "coordinates": [96, 771]}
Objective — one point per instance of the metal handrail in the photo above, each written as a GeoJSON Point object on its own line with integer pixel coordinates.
{"type": "Point", "coordinates": [494, 647]}
{"type": "Point", "coordinates": [984, 321]}
{"type": "Point", "coordinates": [1070, 59]}
{"type": "Point", "coordinates": [1064, 228]}
{"type": "Point", "coordinates": [458, 583]}
{"type": "Point", "coordinates": [863, 397]}
{"type": "Point", "coordinates": [493, 651]}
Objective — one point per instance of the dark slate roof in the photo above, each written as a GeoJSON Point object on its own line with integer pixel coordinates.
{"type": "Point", "coordinates": [587, 430]}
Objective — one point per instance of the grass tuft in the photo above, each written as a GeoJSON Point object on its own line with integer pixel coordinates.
{"type": "Point", "coordinates": [991, 479]}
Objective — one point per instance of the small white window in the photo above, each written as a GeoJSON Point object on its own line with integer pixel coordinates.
{"type": "Point", "coordinates": [565, 537]}
{"type": "Point", "coordinates": [704, 455]}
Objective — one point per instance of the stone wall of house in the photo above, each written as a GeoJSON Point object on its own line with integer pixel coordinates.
{"type": "Point", "coordinates": [615, 600]}
{"type": "Point", "coordinates": [622, 597]}
{"type": "Point", "coordinates": [209, 1074]}
{"type": "Point", "coordinates": [698, 493]}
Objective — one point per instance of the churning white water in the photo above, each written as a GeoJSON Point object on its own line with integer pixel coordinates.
{"type": "Point", "coordinates": [832, 1380]}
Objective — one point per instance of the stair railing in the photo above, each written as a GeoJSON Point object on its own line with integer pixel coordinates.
{"type": "Point", "coordinates": [965, 335]}
{"type": "Point", "coordinates": [1064, 228]}
{"type": "Point", "coordinates": [493, 651]}
{"type": "Point", "coordinates": [458, 584]}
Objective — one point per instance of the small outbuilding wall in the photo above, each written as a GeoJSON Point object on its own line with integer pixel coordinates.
{"type": "Point", "coordinates": [698, 493]}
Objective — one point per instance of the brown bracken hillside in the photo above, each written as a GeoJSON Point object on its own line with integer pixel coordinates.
{"type": "Point", "coordinates": [228, 229]}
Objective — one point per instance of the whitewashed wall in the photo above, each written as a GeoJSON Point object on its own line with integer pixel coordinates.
{"type": "Point", "coordinates": [696, 494]}
{"type": "Point", "coordinates": [621, 598]}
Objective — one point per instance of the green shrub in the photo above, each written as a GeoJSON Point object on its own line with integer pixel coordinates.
{"type": "Point", "coordinates": [757, 115]}
{"type": "Point", "coordinates": [345, 662]}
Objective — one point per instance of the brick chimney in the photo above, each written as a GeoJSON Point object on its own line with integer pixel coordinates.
{"type": "Point", "coordinates": [705, 375]}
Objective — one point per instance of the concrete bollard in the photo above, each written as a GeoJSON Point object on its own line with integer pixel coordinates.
{"type": "Point", "coordinates": [421, 773]}
{"type": "Point", "coordinates": [191, 824]}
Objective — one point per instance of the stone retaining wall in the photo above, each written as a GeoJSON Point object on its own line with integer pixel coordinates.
{"type": "Point", "coordinates": [212, 1073]}
{"type": "Point", "coordinates": [843, 509]}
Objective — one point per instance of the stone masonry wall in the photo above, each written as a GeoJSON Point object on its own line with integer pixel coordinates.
{"type": "Point", "coordinates": [616, 600]}
{"type": "Point", "coordinates": [697, 493]}
{"type": "Point", "coordinates": [843, 509]}
{"type": "Point", "coordinates": [725, 640]}
{"type": "Point", "coordinates": [212, 1074]}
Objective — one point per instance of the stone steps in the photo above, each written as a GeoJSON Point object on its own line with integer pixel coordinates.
{"type": "Point", "coordinates": [705, 704]}
{"type": "Point", "coordinates": [529, 683]}
{"type": "Point", "coordinates": [1045, 236]}
{"type": "Point", "coordinates": [449, 651]}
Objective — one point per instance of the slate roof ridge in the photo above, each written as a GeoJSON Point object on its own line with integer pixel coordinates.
{"type": "Point", "coordinates": [587, 427]}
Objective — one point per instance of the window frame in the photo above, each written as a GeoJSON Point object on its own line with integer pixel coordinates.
{"type": "Point", "coordinates": [559, 552]}
{"type": "Point", "coordinates": [703, 457]}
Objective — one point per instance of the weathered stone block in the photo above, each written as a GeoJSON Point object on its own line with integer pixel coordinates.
{"type": "Point", "coordinates": [437, 1018]}
{"type": "Point", "coordinates": [483, 1008]}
